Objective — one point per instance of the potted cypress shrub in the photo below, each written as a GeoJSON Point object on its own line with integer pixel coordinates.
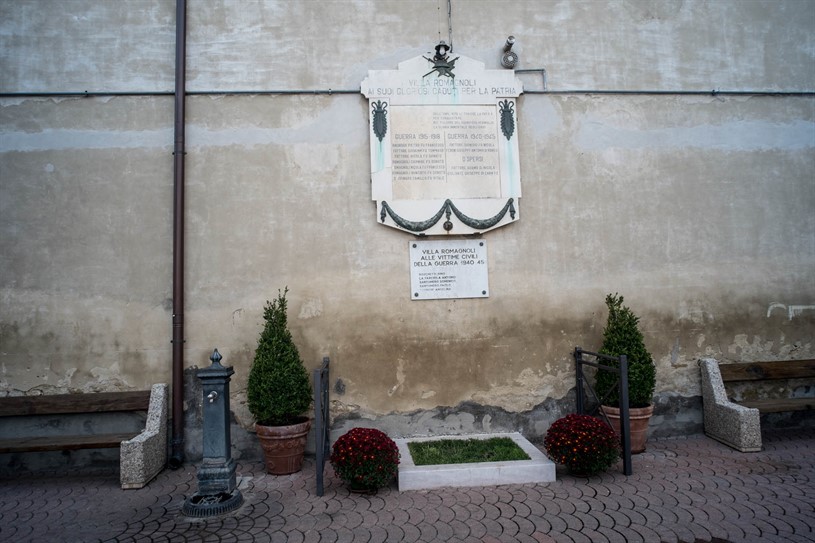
{"type": "Point", "coordinates": [622, 336]}
{"type": "Point", "coordinates": [279, 392]}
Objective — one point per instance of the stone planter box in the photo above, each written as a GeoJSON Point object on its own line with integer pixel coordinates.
{"type": "Point", "coordinates": [539, 469]}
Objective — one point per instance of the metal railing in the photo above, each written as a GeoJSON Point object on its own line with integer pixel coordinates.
{"type": "Point", "coordinates": [321, 421]}
{"type": "Point", "coordinates": [621, 369]}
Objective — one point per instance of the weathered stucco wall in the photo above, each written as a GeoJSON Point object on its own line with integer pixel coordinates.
{"type": "Point", "coordinates": [84, 201]}
{"type": "Point", "coordinates": [697, 208]}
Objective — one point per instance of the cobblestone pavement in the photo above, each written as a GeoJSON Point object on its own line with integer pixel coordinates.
{"type": "Point", "coordinates": [685, 490]}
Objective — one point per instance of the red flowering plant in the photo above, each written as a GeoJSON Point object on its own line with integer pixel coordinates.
{"type": "Point", "coordinates": [584, 444]}
{"type": "Point", "coordinates": [365, 458]}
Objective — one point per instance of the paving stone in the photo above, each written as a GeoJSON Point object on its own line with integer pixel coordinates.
{"type": "Point", "coordinates": [796, 538]}
{"type": "Point", "coordinates": [603, 519]}
{"type": "Point", "coordinates": [541, 537]}
{"type": "Point", "coordinates": [491, 511]}
{"type": "Point", "coordinates": [459, 529]}
{"type": "Point", "coordinates": [506, 510]}
{"type": "Point", "coordinates": [557, 523]}
{"type": "Point", "coordinates": [683, 490]}
{"type": "Point", "coordinates": [613, 536]}
{"type": "Point", "coordinates": [493, 527]}
{"type": "Point", "coordinates": [576, 536]}
{"type": "Point", "coordinates": [542, 525]}
{"type": "Point", "coordinates": [520, 508]}
{"type": "Point", "coordinates": [508, 526]}
{"type": "Point", "coordinates": [395, 533]}
{"type": "Point", "coordinates": [536, 508]}
{"type": "Point", "coordinates": [410, 533]}
{"type": "Point", "coordinates": [665, 534]}
{"type": "Point", "coordinates": [477, 529]}
{"type": "Point", "coordinates": [525, 526]}
{"type": "Point", "coordinates": [400, 516]}
{"type": "Point", "coordinates": [415, 516]}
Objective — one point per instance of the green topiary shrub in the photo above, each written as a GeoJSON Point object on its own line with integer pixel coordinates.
{"type": "Point", "coordinates": [278, 390]}
{"type": "Point", "coordinates": [622, 336]}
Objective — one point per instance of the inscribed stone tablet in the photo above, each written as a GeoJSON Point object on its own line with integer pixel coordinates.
{"type": "Point", "coordinates": [448, 269]}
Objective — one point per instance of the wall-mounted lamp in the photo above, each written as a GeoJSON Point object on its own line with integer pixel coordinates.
{"type": "Point", "coordinates": [509, 59]}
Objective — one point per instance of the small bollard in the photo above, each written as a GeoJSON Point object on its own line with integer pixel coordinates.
{"type": "Point", "coordinates": [217, 493]}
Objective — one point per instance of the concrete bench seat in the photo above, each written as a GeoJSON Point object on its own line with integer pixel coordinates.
{"type": "Point", "coordinates": [737, 424]}
{"type": "Point", "coordinates": [143, 454]}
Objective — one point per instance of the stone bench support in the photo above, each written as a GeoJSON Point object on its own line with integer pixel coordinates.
{"type": "Point", "coordinates": [144, 456]}
{"type": "Point", "coordinates": [728, 422]}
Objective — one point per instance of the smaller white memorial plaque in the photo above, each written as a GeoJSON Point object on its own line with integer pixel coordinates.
{"type": "Point", "coordinates": [448, 269]}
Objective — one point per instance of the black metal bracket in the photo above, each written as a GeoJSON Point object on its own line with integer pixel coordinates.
{"type": "Point", "coordinates": [322, 426]}
{"type": "Point", "coordinates": [622, 385]}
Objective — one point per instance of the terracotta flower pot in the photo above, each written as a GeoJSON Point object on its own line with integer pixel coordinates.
{"type": "Point", "coordinates": [283, 446]}
{"type": "Point", "coordinates": [639, 418]}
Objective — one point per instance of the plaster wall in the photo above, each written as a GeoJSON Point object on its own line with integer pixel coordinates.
{"type": "Point", "coordinates": [697, 208]}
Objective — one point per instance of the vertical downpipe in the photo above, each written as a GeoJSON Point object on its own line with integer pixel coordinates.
{"type": "Point", "coordinates": [177, 454]}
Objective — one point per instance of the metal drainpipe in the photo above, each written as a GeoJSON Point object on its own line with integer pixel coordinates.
{"type": "Point", "coordinates": [177, 454]}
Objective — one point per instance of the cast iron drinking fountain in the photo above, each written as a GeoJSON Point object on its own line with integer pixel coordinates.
{"type": "Point", "coordinates": [217, 493]}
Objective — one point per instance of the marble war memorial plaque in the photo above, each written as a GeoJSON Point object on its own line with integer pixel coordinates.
{"type": "Point", "coordinates": [444, 145]}
{"type": "Point", "coordinates": [448, 268]}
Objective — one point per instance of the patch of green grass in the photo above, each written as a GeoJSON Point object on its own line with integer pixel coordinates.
{"type": "Point", "coordinates": [465, 451]}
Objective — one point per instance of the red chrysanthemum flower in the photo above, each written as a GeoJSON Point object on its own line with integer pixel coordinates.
{"type": "Point", "coordinates": [371, 463]}
{"type": "Point", "coordinates": [583, 443]}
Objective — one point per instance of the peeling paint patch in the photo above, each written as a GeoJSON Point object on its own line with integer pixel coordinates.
{"type": "Point", "coordinates": [66, 382]}
{"type": "Point", "coordinates": [677, 415]}
{"type": "Point", "coordinates": [400, 377]}
{"type": "Point", "coordinates": [311, 308]}
{"type": "Point", "coordinates": [675, 352]}
{"type": "Point", "coordinates": [236, 316]}
{"type": "Point", "coordinates": [107, 379]}
{"type": "Point", "coordinates": [743, 349]}
{"type": "Point", "coordinates": [694, 312]}
{"type": "Point", "coordinates": [795, 350]}
{"type": "Point", "coordinates": [791, 310]}
{"type": "Point", "coordinates": [526, 390]}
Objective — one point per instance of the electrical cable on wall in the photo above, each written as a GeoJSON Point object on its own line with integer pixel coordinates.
{"type": "Point", "coordinates": [449, 22]}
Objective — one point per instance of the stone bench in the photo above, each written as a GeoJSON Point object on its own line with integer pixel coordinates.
{"type": "Point", "coordinates": [142, 454]}
{"type": "Point", "coordinates": [737, 424]}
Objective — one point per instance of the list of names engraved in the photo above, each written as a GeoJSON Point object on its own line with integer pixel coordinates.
{"type": "Point", "coordinates": [445, 152]}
